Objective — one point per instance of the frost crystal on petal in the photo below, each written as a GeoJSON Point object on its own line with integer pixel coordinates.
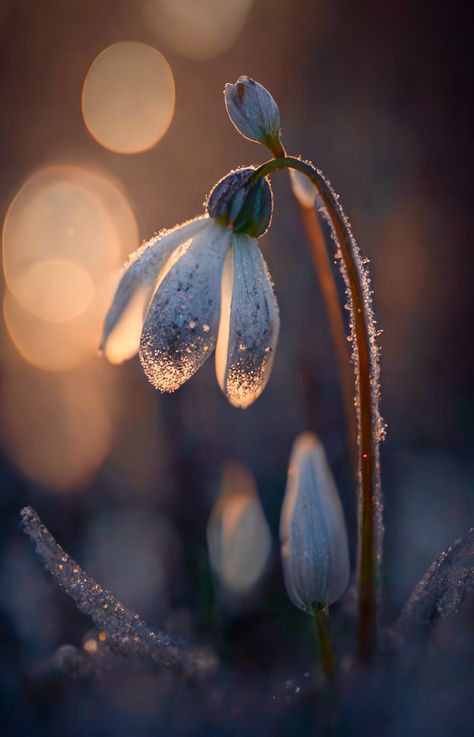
{"type": "Point", "coordinates": [181, 324]}
{"type": "Point", "coordinates": [124, 320]}
{"type": "Point", "coordinates": [249, 324]}
{"type": "Point", "coordinates": [315, 552]}
{"type": "Point", "coordinates": [126, 632]}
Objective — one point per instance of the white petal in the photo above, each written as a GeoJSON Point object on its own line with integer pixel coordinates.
{"type": "Point", "coordinates": [303, 188]}
{"type": "Point", "coordinates": [181, 324]}
{"type": "Point", "coordinates": [124, 320]}
{"type": "Point", "coordinates": [315, 552]}
{"type": "Point", "coordinates": [249, 324]}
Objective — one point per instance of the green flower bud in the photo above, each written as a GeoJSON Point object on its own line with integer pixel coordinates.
{"type": "Point", "coordinates": [247, 209]}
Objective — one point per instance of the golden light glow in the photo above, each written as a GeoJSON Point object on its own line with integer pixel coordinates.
{"type": "Point", "coordinates": [125, 339]}
{"type": "Point", "coordinates": [55, 290]}
{"type": "Point", "coordinates": [90, 646]}
{"type": "Point", "coordinates": [67, 213]}
{"type": "Point", "coordinates": [222, 344]}
{"type": "Point", "coordinates": [128, 97]}
{"type": "Point", "coordinates": [65, 236]}
{"type": "Point", "coordinates": [198, 30]}
{"type": "Point", "coordinates": [238, 536]}
{"type": "Point", "coordinates": [57, 427]}
{"type": "Point", "coordinates": [53, 346]}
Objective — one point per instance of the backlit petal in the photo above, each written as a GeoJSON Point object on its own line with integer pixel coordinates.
{"type": "Point", "coordinates": [249, 324]}
{"type": "Point", "coordinates": [181, 324]}
{"type": "Point", "coordinates": [124, 320]}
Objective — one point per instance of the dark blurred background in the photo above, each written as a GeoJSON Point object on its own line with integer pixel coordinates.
{"type": "Point", "coordinates": [378, 96]}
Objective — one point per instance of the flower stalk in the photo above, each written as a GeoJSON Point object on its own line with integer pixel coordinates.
{"type": "Point", "coordinates": [321, 619]}
{"type": "Point", "coordinates": [369, 424]}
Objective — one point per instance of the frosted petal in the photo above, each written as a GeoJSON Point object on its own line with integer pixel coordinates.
{"type": "Point", "coordinates": [124, 320]}
{"type": "Point", "coordinates": [249, 325]}
{"type": "Point", "coordinates": [181, 324]}
{"type": "Point", "coordinates": [315, 553]}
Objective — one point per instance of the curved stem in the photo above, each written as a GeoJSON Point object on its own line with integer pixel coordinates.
{"type": "Point", "coordinates": [321, 619]}
{"type": "Point", "coordinates": [365, 359]}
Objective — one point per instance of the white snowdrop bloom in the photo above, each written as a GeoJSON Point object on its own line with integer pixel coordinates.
{"type": "Point", "coordinates": [314, 546]}
{"type": "Point", "coordinates": [200, 283]}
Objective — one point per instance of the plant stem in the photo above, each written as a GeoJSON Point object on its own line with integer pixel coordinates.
{"type": "Point", "coordinates": [365, 359]}
{"type": "Point", "coordinates": [321, 618]}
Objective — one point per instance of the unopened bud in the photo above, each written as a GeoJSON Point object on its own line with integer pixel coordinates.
{"type": "Point", "coordinates": [315, 551]}
{"type": "Point", "coordinates": [238, 536]}
{"type": "Point", "coordinates": [254, 112]}
{"type": "Point", "coordinates": [303, 188]}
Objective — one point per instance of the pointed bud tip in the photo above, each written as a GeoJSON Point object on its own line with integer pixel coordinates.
{"type": "Point", "coordinates": [315, 552]}
{"type": "Point", "coordinates": [254, 112]}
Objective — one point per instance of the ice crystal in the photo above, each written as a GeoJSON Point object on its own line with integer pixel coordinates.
{"type": "Point", "coordinates": [378, 427]}
{"type": "Point", "coordinates": [173, 343]}
{"type": "Point", "coordinates": [442, 589]}
{"type": "Point", "coordinates": [126, 632]}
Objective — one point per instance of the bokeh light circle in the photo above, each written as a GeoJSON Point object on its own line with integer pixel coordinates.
{"type": "Point", "coordinates": [55, 290]}
{"type": "Point", "coordinates": [65, 236]}
{"type": "Point", "coordinates": [57, 427]}
{"type": "Point", "coordinates": [198, 30]}
{"type": "Point", "coordinates": [128, 97]}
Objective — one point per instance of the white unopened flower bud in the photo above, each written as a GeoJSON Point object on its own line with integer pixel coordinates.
{"type": "Point", "coordinates": [238, 536]}
{"type": "Point", "coordinates": [254, 112]}
{"type": "Point", "coordinates": [303, 188]}
{"type": "Point", "coordinates": [315, 552]}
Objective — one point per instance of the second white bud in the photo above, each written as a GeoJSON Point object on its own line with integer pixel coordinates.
{"type": "Point", "coordinates": [314, 545]}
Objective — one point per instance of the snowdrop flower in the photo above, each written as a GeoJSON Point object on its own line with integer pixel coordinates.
{"type": "Point", "coordinates": [315, 552]}
{"type": "Point", "coordinates": [199, 286]}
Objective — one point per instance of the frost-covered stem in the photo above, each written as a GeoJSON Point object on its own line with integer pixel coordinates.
{"type": "Point", "coordinates": [126, 632]}
{"type": "Point", "coordinates": [321, 619]}
{"type": "Point", "coordinates": [365, 360]}
{"type": "Point", "coordinates": [336, 322]}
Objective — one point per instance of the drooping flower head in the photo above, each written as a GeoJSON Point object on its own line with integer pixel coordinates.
{"type": "Point", "coordinates": [202, 285]}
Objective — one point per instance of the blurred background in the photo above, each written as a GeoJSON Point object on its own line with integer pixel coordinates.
{"type": "Point", "coordinates": [112, 127]}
